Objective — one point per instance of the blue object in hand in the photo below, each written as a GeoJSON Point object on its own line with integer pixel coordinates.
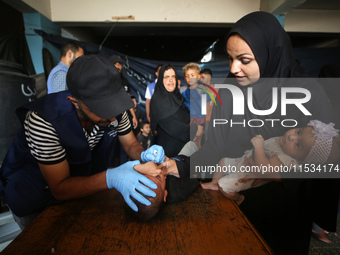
{"type": "Point", "coordinates": [155, 153]}
{"type": "Point", "coordinates": [128, 182]}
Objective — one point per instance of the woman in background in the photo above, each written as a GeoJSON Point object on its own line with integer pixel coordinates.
{"type": "Point", "coordinates": [170, 118]}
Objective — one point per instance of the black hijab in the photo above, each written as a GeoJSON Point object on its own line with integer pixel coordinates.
{"type": "Point", "coordinates": [164, 103]}
{"type": "Point", "coordinates": [270, 44]}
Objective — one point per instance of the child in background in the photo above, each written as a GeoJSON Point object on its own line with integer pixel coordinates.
{"type": "Point", "coordinates": [192, 95]}
{"type": "Point", "coordinates": [318, 143]}
{"type": "Point", "coordinates": [145, 138]}
{"type": "Point", "coordinates": [206, 75]}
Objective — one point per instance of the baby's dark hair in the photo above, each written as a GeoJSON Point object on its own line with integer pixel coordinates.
{"type": "Point", "coordinates": [133, 97]}
{"type": "Point", "coordinates": [145, 212]}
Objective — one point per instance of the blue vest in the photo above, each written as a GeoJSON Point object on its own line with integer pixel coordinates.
{"type": "Point", "coordinates": [22, 185]}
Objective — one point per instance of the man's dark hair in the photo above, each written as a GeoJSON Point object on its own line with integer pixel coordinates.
{"type": "Point", "coordinates": [145, 212]}
{"type": "Point", "coordinates": [133, 97]}
{"type": "Point", "coordinates": [206, 71]}
{"type": "Point", "coordinates": [74, 47]}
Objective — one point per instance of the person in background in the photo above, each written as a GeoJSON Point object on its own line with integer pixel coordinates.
{"type": "Point", "coordinates": [118, 63]}
{"type": "Point", "coordinates": [192, 97]}
{"type": "Point", "coordinates": [206, 75]}
{"type": "Point", "coordinates": [169, 116]}
{"type": "Point", "coordinates": [145, 138]}
{"type": "Point", "coordinates": [57, 78]}
{"type": "Point", "coordinates": [179, 84]}
{"type": "Point", "coordinates": [149, 92]}
{"type": "Point", "coordinates": [72, 161]}
{"type": "Point", "coordinates": [139, 117]}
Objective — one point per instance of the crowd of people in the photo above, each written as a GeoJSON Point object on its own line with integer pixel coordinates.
{"type": "Point", "coordinates": [69, 138]}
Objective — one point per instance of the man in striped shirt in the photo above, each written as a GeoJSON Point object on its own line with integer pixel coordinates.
{"type": "Point", "coordinates": [63, 149]}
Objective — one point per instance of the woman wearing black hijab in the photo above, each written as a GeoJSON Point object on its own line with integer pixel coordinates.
{"type": "Point", "coordinates": [258, 47]}
{"type": "Point", "coordinates": [169, 116]}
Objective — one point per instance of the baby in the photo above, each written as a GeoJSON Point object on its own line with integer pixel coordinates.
{"type": "Point", "coordinates": [171, 188]}
{"type": "Point", "coordinates": [318, 143]}
{"type": "Point", "coordinates": [145, 212]}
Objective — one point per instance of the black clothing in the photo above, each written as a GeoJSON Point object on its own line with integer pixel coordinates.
{"type": "Point", "coordinates": [173, 132]}
{"type": "Point", "coordinates": [164, 103]}
{"type": "Point", "coordinates": [270, 44]}
{"type": "Point", "coordinates": [146, 141]}
{"type": "Point", "coordinates": [169, 117]}
{"type": "Point", "coordinates": [329, 78]}
{"type": "Point", "coordinates": [281, 211]}
{"type": "Point", "coordinates": [180, 188]}
{"type": "Point", "coordinates": [325, 215]}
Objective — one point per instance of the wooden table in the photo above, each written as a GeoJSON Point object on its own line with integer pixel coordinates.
{"type": "Point", "coordinates": [206, 223]}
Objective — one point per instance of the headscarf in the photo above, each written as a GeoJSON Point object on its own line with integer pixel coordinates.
{"type": "Point", "coordinates": [270, 44]}
{"type": "Point", "coordinates": [164, 103]}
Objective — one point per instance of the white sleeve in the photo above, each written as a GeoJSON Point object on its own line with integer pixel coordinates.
{"type": "Point", "coordinates": [148, 93]}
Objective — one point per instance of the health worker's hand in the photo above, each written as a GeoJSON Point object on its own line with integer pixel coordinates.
{"type": "Point", "coordinates": [155, 153]}
{"type": "Point", "coordinates": [127, 181]}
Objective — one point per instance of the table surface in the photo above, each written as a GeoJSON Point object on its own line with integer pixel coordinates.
{"type": "Point", "coordinates": [206, 223]}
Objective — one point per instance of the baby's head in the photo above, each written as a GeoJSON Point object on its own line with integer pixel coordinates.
{"type": "Point", "coordinates": [145, 212]}
{"type": "Point", "coordinates": [318, 143]}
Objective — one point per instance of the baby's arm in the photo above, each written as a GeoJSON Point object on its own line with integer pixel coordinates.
{"type": "Point", "coordinates": [148, 168]}
{"type": "Point", "coordinates": [260, 156]}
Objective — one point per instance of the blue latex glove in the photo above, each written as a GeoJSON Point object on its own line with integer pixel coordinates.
{"type": "Point", "coordinates": [155, 153]}
{"type": "Point", "coordinates": [127, 181]}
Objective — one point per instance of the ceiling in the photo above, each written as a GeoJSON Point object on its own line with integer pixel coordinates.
{"type": "Point", "coordinates": [176, 41]}
{"type": "Point", "coordinates": [320, 5]}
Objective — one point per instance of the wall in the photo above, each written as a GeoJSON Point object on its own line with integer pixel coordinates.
{"type": "Point", "coordinates": [187, 11]}
{"type": "Point", "coordinates": [146, 10]}
{"type": "Point", "coordinates": [36, 43]}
